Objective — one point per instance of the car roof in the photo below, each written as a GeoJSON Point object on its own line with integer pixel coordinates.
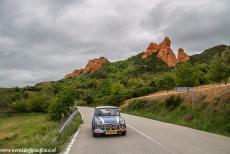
{"type": "Point", "coordinates": [107, 107]}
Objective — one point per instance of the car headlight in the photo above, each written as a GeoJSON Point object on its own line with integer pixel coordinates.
{"type": "Point", "coordinates": [122, 121]}
{"type": "Point", "coordinates": [98, 121]}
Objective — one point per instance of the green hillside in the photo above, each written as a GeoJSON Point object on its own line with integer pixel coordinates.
{"type": "Point", "coordinates": [121, 80]}
{"type": "Point", "coordinates": [208, 54]}
{"type": "Point", "coordinates": [118, 81]}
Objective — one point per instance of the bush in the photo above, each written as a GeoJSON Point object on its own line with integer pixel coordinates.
{"type": "Point", "coordinates": [114, 100]}
{"type": "Point", "coordinates": [137, 104]}
{"type": "Point", "coordinates": [32, 89]}
{"type": "Point", "coordinates": [62, 106]}
{"type": "Point", "coordinates": [172, 102]}
{"type": "Point", "coordinates": [19, 106]}
{"type": "Point", "coordinates": [152, 106]}
{"type": "Point", "coordinates": [87, 99]}
{"type": "Point", "coordinates": [153, 86]}
{"type": "Point", "coordinates": [38, 103]}
{"type": "Point", "coordinates": [81, 103]}
{"type": "Point", "coordinates": [188, 75]}
{"type": "Point", "coordinates": [141, 91]}
{"type": "Point", "coordinates": [35, 102]}
{"type": "Point", "coordinates": [166, 82]}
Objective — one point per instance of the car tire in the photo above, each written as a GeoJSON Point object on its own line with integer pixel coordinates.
{"type": "Point", "coordinates": [95, 134]}
{"type": "Point", "coordinates": [123, 133]}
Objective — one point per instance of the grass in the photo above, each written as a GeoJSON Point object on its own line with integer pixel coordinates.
{"type": "Point", "coordinates": [34, 130]}
{"type": "Point", "coordinates": [213, 117]}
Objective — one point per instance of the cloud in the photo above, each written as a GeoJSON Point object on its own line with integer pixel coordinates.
{"type": "Point", "coordinates": [43, 40]}
{"type": "Point", "coordinates": [195, 26]}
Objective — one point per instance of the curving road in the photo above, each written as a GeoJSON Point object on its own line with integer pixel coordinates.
{"type": "Point", "coordinates": [146, 136]}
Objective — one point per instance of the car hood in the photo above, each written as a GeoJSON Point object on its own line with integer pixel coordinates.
{"type": "Point", "coordinates": [109, 119]}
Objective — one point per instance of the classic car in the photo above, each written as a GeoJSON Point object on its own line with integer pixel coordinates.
{"type": "Point", "coordinates": [107, 120]}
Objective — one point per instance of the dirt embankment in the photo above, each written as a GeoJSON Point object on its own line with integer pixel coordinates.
{"type": "Point", "coordinates": [206, 93]}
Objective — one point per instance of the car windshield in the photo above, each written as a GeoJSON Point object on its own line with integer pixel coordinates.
{"type": "Point", "coordinates": [107, 112]}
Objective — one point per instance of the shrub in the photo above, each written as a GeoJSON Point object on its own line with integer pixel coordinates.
{"type": "Point", "coordinates": [141, 91]}
{"type": "Point", "coordinates": [62, 106]}
{"type": "Point", "coordinates": [166, 82]}
{"type": "Point", "coordinates": [86, 97]}
{"type": "Point", "coordinates": [32, 89]}
{"type": "Point", "coordinates": [38, 103]}
{"type": "Point", "coordinates": [153, 86]}
{"type": "Point", "coordinates": [115, 99]}
{"type": "Point", "coordinates": [172, 102]}
{"type": "Point", "coordinates": [187, 117]}
{"type": "Point", "coordinates": [80, 103]}
{"type": "Point", "coordinates": [99, 75]}
{"type": "Point", "coordinates": [19, 106]}
{"type": "Point", "coordinates": [188, 75]}
{"type": "Point", "coordinates": [35, 102]}
{"type": "Point", "coordinates": [137, 104]}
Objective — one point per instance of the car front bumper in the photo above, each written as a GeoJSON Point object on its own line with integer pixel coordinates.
{"type": "Point", "coordinates": [110, 131]}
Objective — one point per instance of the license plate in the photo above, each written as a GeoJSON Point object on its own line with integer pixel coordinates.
{"type": "Point", "coordinates": [111, 132]}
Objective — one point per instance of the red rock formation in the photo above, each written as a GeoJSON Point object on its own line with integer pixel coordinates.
{"type": "Point", "coordinates": [92, 66]}
{"type": "Point", "coordinates": [165, 53]}
{"type": "Point", "coordinates": [166, 42]}
{"type": "Point", "coordinates": [74, 73]}
{"type": "Point", "coordinates": [153, 47]}
{"type": "Point", "coordinates": [182, 56]}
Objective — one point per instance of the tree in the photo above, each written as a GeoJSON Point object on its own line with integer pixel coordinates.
{"type": "Point", "coordinates": [218, 70]}
{"type": "Point", "coordinates": [153, 85]}
{"type": "Point", "coordinates": [116, 88]}
{"type": "Point", "coordinates": [226, 62]}
{"type": "Point", "coordinates": [87, 98]}
{"type": "Point", "coordinates": [226, 55]}
{"type": "Point", "coordinates": [188, 75]}
{"type": "Point", "coordinates": [167, 82]}
{"type": "Point", "coordinates": [62, 106]}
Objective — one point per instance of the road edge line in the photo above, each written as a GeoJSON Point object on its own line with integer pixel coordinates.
{"type": "Point", "coordinates": [74, 137]}
{"type": "Point", "coordinates": [150, 138]}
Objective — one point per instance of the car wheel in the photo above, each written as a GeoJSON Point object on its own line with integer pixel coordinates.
{"type": "Point", "coordinates": [95, 134]}
{"type": "Point", "coordinates": [123, 133]}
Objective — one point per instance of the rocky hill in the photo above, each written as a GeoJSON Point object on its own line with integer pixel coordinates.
{"type": "Point", "coordinates": [162, 51]}
{"type": "Point", "coordinates": [105, 83]}
{"type": "Point", "coordinates": [165, 53]}
{"type": "Point", "coordinates": [92, 66]}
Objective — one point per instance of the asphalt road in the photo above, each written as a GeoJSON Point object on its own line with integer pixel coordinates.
{"type": "Point", "coordinates": [146, 136]}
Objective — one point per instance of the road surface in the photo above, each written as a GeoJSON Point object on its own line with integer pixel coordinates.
{"type": "Point", "coordinates": [146, 136]}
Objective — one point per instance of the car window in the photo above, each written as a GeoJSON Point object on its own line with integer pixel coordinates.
{"type": "Point", "coordinates": [107, 112]}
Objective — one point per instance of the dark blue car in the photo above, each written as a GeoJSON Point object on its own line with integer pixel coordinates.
{"type": "Point", "coordinates": [107, 120]}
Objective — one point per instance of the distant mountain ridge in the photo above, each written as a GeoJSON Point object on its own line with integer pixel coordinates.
{"type": "Point", "coordinates": [208, 54]}
{"type": "Point", "coordinates": [162, 50]}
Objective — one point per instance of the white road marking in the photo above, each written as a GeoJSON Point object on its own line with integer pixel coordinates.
{"type": "Point", "coordinates": [150, 138]}
{"type": "Point", "coordinates": [74, 137]}
{"type": "Point", "coordinates": [71, 143]}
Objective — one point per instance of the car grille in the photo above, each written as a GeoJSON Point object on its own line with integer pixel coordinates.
{"type": "Point", "coordinates": [109, 127]}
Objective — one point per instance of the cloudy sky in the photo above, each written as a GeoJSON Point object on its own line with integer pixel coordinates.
{"type": "Point", "coordinates": [43, 40]}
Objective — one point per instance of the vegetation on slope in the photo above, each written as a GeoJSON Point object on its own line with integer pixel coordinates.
{"type": "Point", "coordinates": [116, 82]}
{"type": "Point", "coordinates": [205, 115]}
{"type": "Point", "coordinates": [208, 54]}
{"type": "Point", "coordinates": [34, 130]}
{"type": "Point", "coordinates": [21, 127]}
